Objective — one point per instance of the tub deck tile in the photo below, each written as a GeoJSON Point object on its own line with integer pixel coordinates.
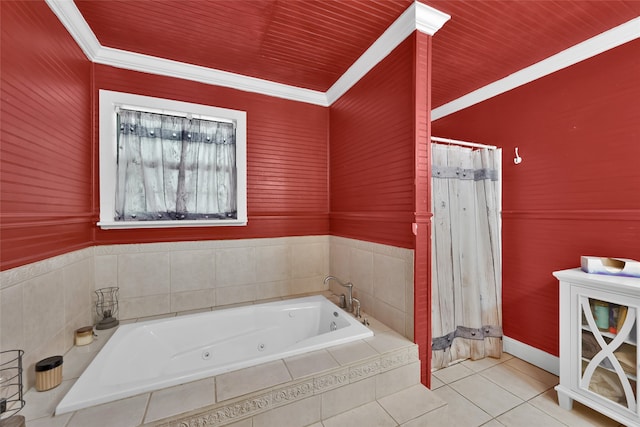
{"type": "Point", "coordinates": [310, 363]}
{"type": "Point", "coordinates": [248, 380]}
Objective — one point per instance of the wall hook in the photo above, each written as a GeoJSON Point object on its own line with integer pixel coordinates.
{"type": "Point", "coordinates": [517, 159]}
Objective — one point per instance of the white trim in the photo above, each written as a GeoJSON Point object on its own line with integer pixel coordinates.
{"type": "Point", "coordinates": [109, 101]}
{"type": "Point", "coordinates": [537, 357]}
{"type": "Point", "coordinates": [417, 16]}
{"type": "Point", "coordinates": [166, 67]}
{"type": "Point", "coordinates": [68, 13]}
{"type": "Point", "coordinates": [602, 42]}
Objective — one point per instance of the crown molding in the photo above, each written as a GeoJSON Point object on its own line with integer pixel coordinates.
{"type": "Point", "coordinates": [166, 67]}
{"type": "Point", "coordinates": [418, 16]}
{"type": "Point", "coordinates": [591, 47]}
{"type": "Point", "coordinates": [74, 22]}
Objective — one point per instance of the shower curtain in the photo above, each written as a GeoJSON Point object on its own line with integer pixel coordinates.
{"type": "Point", "coordinates": [466, 248]}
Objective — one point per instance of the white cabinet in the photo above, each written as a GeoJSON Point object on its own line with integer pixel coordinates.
{"type": "Point", "coordinates": [598, 343]}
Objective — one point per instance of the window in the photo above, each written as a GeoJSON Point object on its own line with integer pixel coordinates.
{"type": "Point", "coordinates": [167, 163]}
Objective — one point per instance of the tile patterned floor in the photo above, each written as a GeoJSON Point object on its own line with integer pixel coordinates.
{"type": "Point", "coordinates": [488, 392]}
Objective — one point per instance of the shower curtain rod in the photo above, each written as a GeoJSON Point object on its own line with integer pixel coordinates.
{"type": "Point", "coordinates": [465, 143]}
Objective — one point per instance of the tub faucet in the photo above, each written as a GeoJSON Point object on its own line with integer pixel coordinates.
{"type": "Point", "coordinates": [349, 299]}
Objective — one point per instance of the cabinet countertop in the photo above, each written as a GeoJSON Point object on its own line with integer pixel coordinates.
{"type": "Point", "coordinates": [600, 281]}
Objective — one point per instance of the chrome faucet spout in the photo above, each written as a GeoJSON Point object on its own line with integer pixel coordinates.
{"type": "Point", "coordinates": [349, 297]}
{"type": "Point", "coordinates": [356, 307]}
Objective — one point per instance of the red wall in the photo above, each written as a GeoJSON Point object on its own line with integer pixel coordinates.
{"type": "Point", "coordinates": [379, 162]}
{"type": "Point", "coordinates": [287, 182]}
{"type": "Point", "coordinates": [45, 174]}
{"type": "Point", "coordinates": [372, 154]}
{"type": "Point", "coordinates": [577, 191]}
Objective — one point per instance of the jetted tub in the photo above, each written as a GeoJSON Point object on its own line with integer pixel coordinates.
{"type": "Point", "coordinates": [147, 356]}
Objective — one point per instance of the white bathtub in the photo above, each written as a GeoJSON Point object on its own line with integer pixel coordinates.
{"type": "Point", "coordinates": [151, 355]}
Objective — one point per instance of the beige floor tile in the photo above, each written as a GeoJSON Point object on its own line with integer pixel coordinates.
{"type": "Point", "coordinates": [493, 423]}
{"type": "Point", "coordinates": [579, 416]}
{"type": "Point", "coordinates": [121, 413]}
{"type": "Point", "coordinates": [435, 382]}
{"type": "Point", "coordinates": [541, 375]}
{"type": "Point", "coordinates": [460, 412]}
{"type": "Point", "coordinates": [452, 373]}
{"type": "Point", "coordinates": [489, 396]}
{"type": "Point", "coordinates": [515, 381]}
{"type": "Point", "coordinates": [411, 403]}
{"type": "Point", "coordinates": [310, 363]}
{"type": "Point", "coordinates": [485, 363]}
{"type": "Point", "coordinates": [369, 415]}
{"type": "Point", "coordinates": [527, 415]}
{"type": "Point", "coordinates": [440, 417]}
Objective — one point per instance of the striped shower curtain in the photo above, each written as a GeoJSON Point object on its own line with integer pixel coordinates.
{"type": "Point", "coordinates": [466, 248]}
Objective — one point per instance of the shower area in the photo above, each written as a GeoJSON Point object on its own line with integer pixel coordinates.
{"type": "Point", "coordinates": [466, 252]}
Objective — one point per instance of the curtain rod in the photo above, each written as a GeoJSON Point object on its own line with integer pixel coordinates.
{"type": "Point", "coordinates": [465, 143]}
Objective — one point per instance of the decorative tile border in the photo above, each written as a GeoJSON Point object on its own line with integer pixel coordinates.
{"type": "Point", "coordinates": [223, 414]}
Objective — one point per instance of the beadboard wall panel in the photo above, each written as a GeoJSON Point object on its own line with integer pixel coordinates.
{"type": "Point", "coordinates": [372, 154]}
{"type": "Point", "coordinates": [46, 137]}
{"type": "Point", "coordinates": [575, 192]}
{"type": "Point", "coordinates": [422, 252]}
{"type": "Point", "coordinates": [287, 180]}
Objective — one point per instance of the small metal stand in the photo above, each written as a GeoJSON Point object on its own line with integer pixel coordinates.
{"type": "Point", "coordinates": [11, 401]}
{"type": "Point", "coordinates": [107, 308]}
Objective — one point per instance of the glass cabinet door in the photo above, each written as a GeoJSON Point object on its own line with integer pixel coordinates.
{"type": "Point", "coordinates": [608, 351]}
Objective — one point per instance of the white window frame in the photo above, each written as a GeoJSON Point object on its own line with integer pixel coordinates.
{"type": "Point", "coordinates": [109, 104]}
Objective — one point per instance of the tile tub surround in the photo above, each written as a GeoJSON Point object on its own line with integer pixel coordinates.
{"type": "Point", "coordinates": [382, 278]}
{"type": "Point", "coordinates": [310, 387]}
{"type": "Point", "coordinates": [160, 278]}
{"type": "Point", "coordinates": [43, 303]}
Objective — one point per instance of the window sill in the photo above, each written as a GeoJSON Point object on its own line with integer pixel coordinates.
{"type": "Point", "coordinates": [112, 225]}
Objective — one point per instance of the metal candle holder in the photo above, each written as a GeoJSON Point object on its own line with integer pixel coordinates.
{"type": "Point", "coordinates": [10, 383]}
{"type": "Point", "coordinates": [107, 308]}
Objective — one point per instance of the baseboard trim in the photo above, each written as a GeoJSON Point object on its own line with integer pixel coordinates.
{"type": "Point", "coordinates": [537, 357]}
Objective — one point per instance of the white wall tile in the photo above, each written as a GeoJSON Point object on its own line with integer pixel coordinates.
{"type": "Point", "coordinates": [152, 305]}
{"type": "Point", "coordinates": [192, 270]}
{"type": "Point", "coordinates": [106, 271]}
{"type": "Point", "coordinates": [43, 308]}
{"type": "Point", "coordinates": [192, 300]}
{"type": "Point", "coordinates": [273, 263]}
{"type": "Point", "coordinates": [389, 280]}
{"type": "Point", "coordinates": [308, 260]}
{"type": "Point", "coordinates": [143, 274]}
{"type": "Point", "coordinates": [235, 294]}
{"type": "Point", "coordinates": [235, 266]}
{"type": "Point", "coordinates": [11, 321]}
{"type": "Point", "coordinates": [361, 265]}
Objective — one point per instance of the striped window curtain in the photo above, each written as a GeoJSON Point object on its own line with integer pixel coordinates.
{"type": "Point", "coordinates": [466, 248]}
{"type": "Point", "coordinates": [174, 168]}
